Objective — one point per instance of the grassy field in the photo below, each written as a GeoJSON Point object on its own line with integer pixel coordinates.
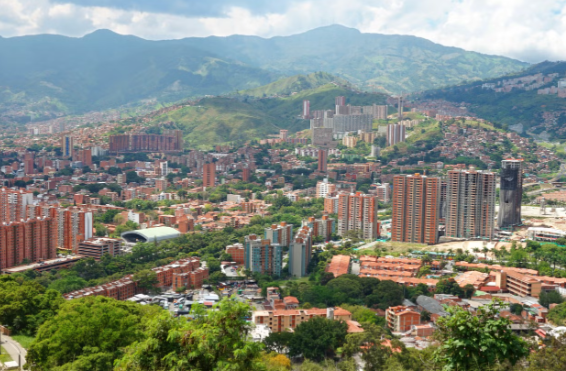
{"type": "Point", "coordinates": [5, 357]}
{"type": "Point", "coordinates": [24, 340]}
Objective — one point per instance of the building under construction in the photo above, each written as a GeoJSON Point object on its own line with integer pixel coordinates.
{"type": "Point", "coordinates": [510, 193]}
{"type": "Point", "coordinates": [470, 204]}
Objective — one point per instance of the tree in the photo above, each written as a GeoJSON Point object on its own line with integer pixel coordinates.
{"type": "Point", "coordinates": [370, 345]}
{"type": "Point", "coordinates": [449, 286]}
{"type": "Point", "coordinates": [425, 316]}
{"type": "Point", "coordinates": [276, 362]}
{"type": "Point", "coordinates": [386, 294]}
{"type": "Point", "coordinates": [24, 306]}
{"type": "Point", "coordinates": [318, 338]}
{"type": "Point", "coordinates": [551, 357]}
{"type": "Point", "coordinates": [146, 280]}
{"type": "Point", "coordinates": [551, 297]}
{"type": "Point", "coordinates": [278, 341]}
{"type": "Point", "coordinates": [557, 315]}
{"type": "Point", "coordinates": [214, 340]}
{"type": "Point", "coordinates": [119, 219]}
{"type": "Point", "coordinates": [89, 333]}
{"type": "Point", "coordinates": [216, 277]}
{"type": "Point", "coordinates": [477, 341]}
{"type": "Point", "coordinates": [516, 309]}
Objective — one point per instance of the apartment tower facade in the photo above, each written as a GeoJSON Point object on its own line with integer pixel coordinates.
{"type": "Point", "coordinates": [358, 212]}
{"type": "Point", "coordinates": [209, 175]}
{"type": "Point", "coordinates": [470, 204]}
{"type": "Point", "coordinates": [416, 208]}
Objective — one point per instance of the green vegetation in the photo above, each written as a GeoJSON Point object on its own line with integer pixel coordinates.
{"type": "Point", "coordinates": [392, 63]}
{"type": "Point", "coordinates": [515, 107]}
{"type": "Point", "coordinates": [477, 341]}
{"type": "Point", "coordinates": [115, 70]}
{"type": "Point", "coordinates": [212, 341]}
{"type": "Point", "coordinates": [24, 340]}
{"type": "Point", "coordinates": [237, 120]}
{"type": "Point", "coordinates": [5, 356]}
{"type": "Point", "coordinates": [293, 84]}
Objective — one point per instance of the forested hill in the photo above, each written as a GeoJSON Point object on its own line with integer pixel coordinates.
{"type": "Point", "coordinates": [521, 108]}
{"type": "Point", "coordinates": [241, 118]}
{"type": "Point", "coordinates": [45, 76]}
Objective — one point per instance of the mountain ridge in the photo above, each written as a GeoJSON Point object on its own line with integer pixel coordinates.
{"type": "Point", "coordinates": [104, 69]}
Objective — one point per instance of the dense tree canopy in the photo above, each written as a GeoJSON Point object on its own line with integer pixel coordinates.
{"type": "Point", "coordinates": [87, 334]}
{"type": "Point", "coordinates": [214, 340]}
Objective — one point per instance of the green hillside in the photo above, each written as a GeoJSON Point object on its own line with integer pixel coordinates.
{"type": "Point", "coordinates": [293, 84]}
{"type": "Point", "coordinates": [45, 76]}
{"type": "Point", "coordinates": [235, 120]}
{"type": "Point", "coordinates": [390, 63]}
{"type": "Point", "coordinates": [105, 70]}
{"type": "Point", "coordinates": [518, 107]}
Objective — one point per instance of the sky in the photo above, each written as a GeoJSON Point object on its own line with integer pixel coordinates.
{"type": "Point", "coordinates": [528, 30]}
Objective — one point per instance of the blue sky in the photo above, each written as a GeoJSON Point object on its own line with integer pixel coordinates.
{"type": "Point", "coordinates": [529, 30]}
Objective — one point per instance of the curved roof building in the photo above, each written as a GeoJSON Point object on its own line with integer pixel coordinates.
{"type": "Point", "coordinates": [156, 234]}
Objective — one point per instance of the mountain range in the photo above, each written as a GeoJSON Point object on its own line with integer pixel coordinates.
{"type": "Point", "coordinates": [48, 75]}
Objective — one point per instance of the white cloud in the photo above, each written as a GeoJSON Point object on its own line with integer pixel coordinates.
{"type": "Point", "coordinates": [524, 29]}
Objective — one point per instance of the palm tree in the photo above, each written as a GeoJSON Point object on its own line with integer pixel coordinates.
{"type": "Point", "coordinates": [450, 252]}
{"type": "Point", "coordinates": [476, 250]}
{"type": "Point", "coordinates": [485, 251]}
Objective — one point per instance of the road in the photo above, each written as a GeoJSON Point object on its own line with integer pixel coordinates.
{"type": "Point", "coordinates": [14, 348]}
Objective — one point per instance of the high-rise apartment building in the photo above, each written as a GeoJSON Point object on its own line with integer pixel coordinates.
{"type": "Point", "coordinates": [67, 145]}
{"type": "Point", "coordinates": [209, 175]}
{"type": "Point", "coordinates": [283, 134]}
{"type": "Point", "coordinates": [400, 104]}
{"type": "Point", "coordinates": [395, 134]}
{"type": "Point", "coordinates": [84, 156]}
{"type": "Point", "coordinates": [261, 256]}
{"type": "Point", "coordinates": [324, 188]}
{"type": "Point", "coordinates": [279, 234]}
{"type": "Point", "coordinates": [28, 162]}
{"type": "Point", "coordinates": [416, 207]}
{"type": "Point", "coordinates": [470, 204]}
{"type": "Point", "coordinates": [246, 174]}
{"type": "Point", "coordinates": [306, 109]}
{"type": "Point", "coordinates": [383, 192]}
{"type": "Point", "coordinates": [13, 204]}
{"type": "Point", "coordinates": [510, 193]}
{"type": "Point", "coordinates": [74, 225]}
{"type": "Point", "coordinates": [324, 226]}
{"type": "Point", "coordinates": [340, 101]}
{"type": "Point", "coordinates": [331, 205]}
{"type": "Point", "coordinates": [322, 160]}
{"type": "Point", "coordinates": [358, 212]}
{"type": "Point", "coordinates": [32, 240]}
{"type": "Point", "coordinates": [300, 252]}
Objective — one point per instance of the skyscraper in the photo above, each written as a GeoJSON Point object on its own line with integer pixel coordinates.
{"type": "Point", "coordinates": [510, 193]}
{"type": "Point", "coordinates": [340, 101]}
{"type": "Point", "coordinates": [300, 252]}
{"type": "Point", "coordinates": [358, 212]}
{"type": "Point", "coordinates": [67, 145]}
{"type": "Point", "coordinates": [395, 134]}
{"type": "Point", "coordinates": [470, 204]}
{"type": "Point", "coordinates": [400, 107]}
{"type": "Point", "coordinates": [209, 175]}
{"type": "Point", "coordinates": [306, 109]}
{"type": "Point", "coordinates": [322, 160]}
{"type": "Point", "coordinates": [416, 207]}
